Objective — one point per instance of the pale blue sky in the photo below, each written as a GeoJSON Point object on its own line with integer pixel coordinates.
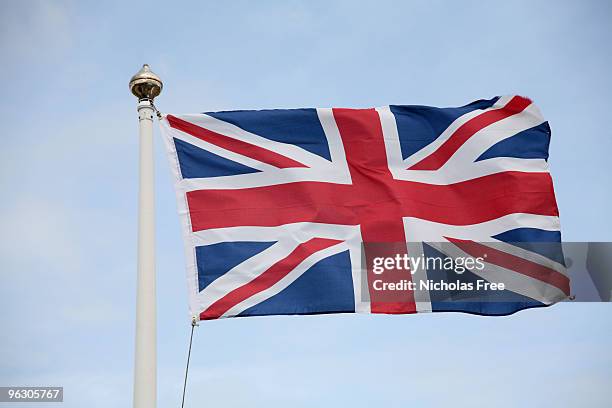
{"type": "Point", "coordinates": [69, 189]}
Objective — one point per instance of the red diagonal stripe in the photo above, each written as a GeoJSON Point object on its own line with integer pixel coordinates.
{"type": "Point", "coordinates": [267, 279]}
{"type": "Point", "coordinates": [437, 159]}
{"type": "Point", "coordinates": [515, 263]}
{"type": "Point", "coordinates": [234, 145]}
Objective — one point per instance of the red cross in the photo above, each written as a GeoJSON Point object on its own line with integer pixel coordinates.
{"type": "Point", "coordinates": [374, 200]}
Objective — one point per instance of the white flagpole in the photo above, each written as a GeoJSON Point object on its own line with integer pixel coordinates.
{"type": "Point", "coordinates": [146, 86]}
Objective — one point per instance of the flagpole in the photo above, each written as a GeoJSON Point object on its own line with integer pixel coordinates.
{"type": "Point", "coordinates": [145, 85]}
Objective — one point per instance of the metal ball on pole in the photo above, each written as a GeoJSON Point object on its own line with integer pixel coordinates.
{"type": "Point", "coordinates": [145, 85]}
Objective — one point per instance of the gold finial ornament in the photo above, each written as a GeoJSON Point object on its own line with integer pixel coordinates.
{"type": "Point", "coordinates": [145, 84]}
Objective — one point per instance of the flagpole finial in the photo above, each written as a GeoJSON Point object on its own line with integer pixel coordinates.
{"type": "Point", "coordinates": [145, 84]}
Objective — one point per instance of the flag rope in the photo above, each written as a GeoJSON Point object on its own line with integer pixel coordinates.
{"type": "Point", "coordinates": [157, 112]}
{"type": "Point", "coordinates": [193, 325]}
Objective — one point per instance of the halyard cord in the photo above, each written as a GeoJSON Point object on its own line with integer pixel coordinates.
{"type": "Point", "coordinates": [193, 325]}
{"type": "Point", "coordinates": [159, 114]}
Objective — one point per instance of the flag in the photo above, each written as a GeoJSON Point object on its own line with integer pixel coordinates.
{"type": "Point", "coordinates": [285, 211]}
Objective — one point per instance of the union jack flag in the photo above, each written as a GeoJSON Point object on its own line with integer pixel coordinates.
{"type": "Point", "coordinates": [276, 204]}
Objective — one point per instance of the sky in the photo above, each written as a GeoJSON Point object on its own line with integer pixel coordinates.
{"type": "Point", "coordinates": [68, 179]}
